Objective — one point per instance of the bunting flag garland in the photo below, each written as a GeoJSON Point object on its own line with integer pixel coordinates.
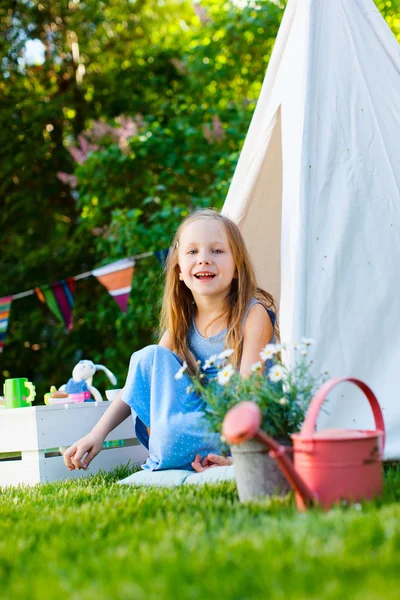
{"type": "Point", "coordinates": [117, 279]}
{"type": "Point", "coordinates": [161, 256]}
{"type": "Point", "coordinates": [59, 298]}
{"type": "Point", "coordinates": [5, 307]}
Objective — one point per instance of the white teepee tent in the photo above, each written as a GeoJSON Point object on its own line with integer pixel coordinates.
{"type": "Point", "coordinates": [316, 194]}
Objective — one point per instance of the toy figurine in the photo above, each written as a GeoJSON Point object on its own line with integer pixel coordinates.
{"type": "Point", "coordinates": [81, 380]}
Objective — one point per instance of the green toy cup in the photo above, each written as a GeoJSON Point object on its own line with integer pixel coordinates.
{"type": "Point", "coordinates": [18, 392]}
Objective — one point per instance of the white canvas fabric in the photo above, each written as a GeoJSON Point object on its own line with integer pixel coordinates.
{"type": "Point", "coordinates": [316, 194]}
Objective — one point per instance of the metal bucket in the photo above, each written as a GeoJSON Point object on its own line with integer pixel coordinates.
{"type": "Point", "coordinates": [257, 474]}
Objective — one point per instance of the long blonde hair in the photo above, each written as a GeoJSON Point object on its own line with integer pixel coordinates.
{"type": "Point", "coordinates": [178, 307]}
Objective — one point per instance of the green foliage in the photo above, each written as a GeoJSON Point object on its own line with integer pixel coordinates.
{"type": "Point", "coordinates": [104, 63]}
{"type": "Point", "coordinates": [91, 538]}
{"type": "Point", "coordinates": [282, 393]}
{"type": "Point", "coordinates": [390, 10]}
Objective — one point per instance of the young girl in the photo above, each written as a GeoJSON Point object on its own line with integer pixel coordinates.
{"type": "Point", "coordinates": [211, 302]}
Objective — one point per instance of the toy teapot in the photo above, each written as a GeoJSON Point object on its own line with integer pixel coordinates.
{"type": "Point", "coordinates": [329, 465]}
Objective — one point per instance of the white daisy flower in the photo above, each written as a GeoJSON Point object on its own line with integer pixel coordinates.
{"type": "Point", "coordinates": [225, 374]}
{"type": "Point", "coordinates": [268, 352]}
{"type": "Point", "coordinates": [209, 362]}
{"type": "Point", "coordinates": [225, 354]}
{"type": "Point", "coordinates": [304, 352]}
{"type": "Point", "coordinates": [276, 373]}
{"type": "Point", "coordinates": [181, 371]}
{"type": "Point", "coordinates": [256, 367]}
{"type": "Point", "coordinates": [307, 341]}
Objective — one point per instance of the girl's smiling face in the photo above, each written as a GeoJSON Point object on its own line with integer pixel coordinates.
{"type": "Point", "coordinates": [205, 258]}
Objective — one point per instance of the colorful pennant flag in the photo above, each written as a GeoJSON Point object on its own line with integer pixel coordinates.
{"type": "Point", "coordinates": [59, 298]}
{"type": "Point", "coordinates": [5, 307]}
{"type": "Point", "coordinates": [161, 256]}
{"type": "Point", "coordinates": [117, 279]}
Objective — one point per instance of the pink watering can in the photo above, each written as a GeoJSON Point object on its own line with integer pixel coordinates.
{"type": "Point", "coordinates": [329, 465]}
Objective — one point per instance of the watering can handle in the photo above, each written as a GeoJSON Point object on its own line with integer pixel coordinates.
{"type": "Point", "coordinates": [308, 427]}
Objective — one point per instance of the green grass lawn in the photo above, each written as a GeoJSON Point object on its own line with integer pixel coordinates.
{"type": "Point", "coordinates": [92, 539]}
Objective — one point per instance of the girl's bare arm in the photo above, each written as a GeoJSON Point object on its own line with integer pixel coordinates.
{"type": "Point", "coordinates": [258, 332]}
{"type": "Point", "coordinates": [81, 454]}
{"type": "Point", "coordinates": [166, 341]}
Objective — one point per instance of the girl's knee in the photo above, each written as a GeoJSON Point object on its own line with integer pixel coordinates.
{"type": "Point", "coordinates": [148, 353]}
{"type": "Point", "coordinates": [145, 353]}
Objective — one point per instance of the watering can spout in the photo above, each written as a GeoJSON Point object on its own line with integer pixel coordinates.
{"type": "Point", "coordinates": [242, 423]}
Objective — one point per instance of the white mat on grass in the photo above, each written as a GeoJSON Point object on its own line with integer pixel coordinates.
{"type": "Point", "coordinates": [176, 477]}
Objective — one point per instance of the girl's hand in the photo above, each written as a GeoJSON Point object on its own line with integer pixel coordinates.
{"type": "Point", "coordinates": [210, 461]}
{"type": "Point", "coordinates": [90, 445]}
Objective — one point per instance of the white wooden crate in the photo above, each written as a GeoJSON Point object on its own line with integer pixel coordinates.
{"type": "Point", "coordinates": [30, 438]}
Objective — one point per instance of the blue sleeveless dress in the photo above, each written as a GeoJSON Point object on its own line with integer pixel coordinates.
{"type": "Point", "coordinates": [162, 403]}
